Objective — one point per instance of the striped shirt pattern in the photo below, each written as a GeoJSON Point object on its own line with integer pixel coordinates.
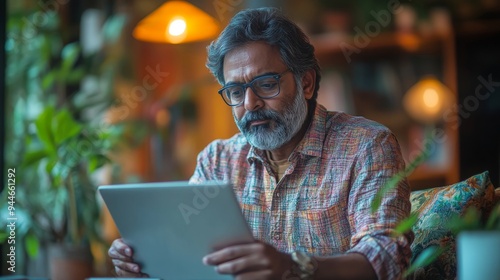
{"type": "Point", "coordinates": [322, 203]}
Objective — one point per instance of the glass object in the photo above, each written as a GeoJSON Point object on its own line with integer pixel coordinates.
{"type": "Point", "coordinates": [265, 87]}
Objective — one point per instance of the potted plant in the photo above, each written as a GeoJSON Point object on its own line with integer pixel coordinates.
{"type": "Point", "coordinates": [64, 207]}
{"type": "Point", "coordinates": [478, 244]}
{"type": "Point", "coordinates": [54, 149]}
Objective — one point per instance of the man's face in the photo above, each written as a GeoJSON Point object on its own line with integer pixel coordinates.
{"type": "Point", "coordinates": [266, 123]}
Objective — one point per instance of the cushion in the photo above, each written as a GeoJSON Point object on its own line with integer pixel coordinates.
{"type": "Point", "coordinates": [435, 208]}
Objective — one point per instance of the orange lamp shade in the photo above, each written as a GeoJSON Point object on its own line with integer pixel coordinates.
{"type": "Point", "coordinates": [428, 100]}
{"type": "Point", "coordinates": [176, 22]}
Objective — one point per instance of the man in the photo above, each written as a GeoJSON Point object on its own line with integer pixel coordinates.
{"type": "Point", "coordinates": [305, 177]}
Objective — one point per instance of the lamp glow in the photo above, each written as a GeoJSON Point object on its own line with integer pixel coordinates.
{"type": "Point", "coordinates": [176, 22]}
{"type": "Point", "coordinates": [428, 100]}
{"type": "Point", "coordinates": [431, 98]}
{"type": "Point", "coordinates": [177, 27]}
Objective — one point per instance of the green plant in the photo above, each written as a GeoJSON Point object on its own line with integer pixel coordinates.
{"type": "Point", "coordinates": [53, 147]}
{"type": "Point", "coordinates": [471, 220]}
{"type": "Point", "coordinates": [66, 153]}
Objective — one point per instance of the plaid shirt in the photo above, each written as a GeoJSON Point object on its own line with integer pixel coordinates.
{"type": "Point", "coordinates": [322, 204]}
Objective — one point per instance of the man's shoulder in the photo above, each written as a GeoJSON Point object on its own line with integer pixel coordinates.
{"type": "Point", "coordinates": [219, 158]}
{"type": "Point", "coordinates": [343, 122]}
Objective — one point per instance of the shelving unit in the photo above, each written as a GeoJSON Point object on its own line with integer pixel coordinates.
{"type": "Point", "coordinates": [409, 49]}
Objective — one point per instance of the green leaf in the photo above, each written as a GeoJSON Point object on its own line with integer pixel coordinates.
{"type": "Point", "coordinates": [44, 129]}
{"type": "Point", "coordinates": [48, 80]}
{"type": "Point", "coordinates": [64, 127]}
{"type": "Point", "coordinates": [3, 236]}
{"type": "Point", "coordinates": [75, 76]}
{"type": "Point", "coordinates": [96, 162]}
{"type": "Point", "coordinates": [50, 165]}
{"type": "Point", "coordinates": [472, 217]}
{"type": "Point", "coordinates": [417, 161]}
{"type": "Point", "coordinates": [406, 224]}
{"type": "Point", "coordinates": [494, 219]}
{"type": "Point", "coordinates": [45, 49]}
{"type": "Point", "coordinates": [33, 157]}
{"type": "Point", "coordinates": [426, 257]}
{"type": "Point", "coordinates": [69, 55]}
{"type": "Point", "coordinates": [32, 245]}
{"type": "Point", "coordinates": [471, 220]}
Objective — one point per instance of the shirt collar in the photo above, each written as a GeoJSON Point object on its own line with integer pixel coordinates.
{"type": "Point", "coordinates": [311, 144]}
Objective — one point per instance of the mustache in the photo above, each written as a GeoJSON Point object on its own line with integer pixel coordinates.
{"type": "Point", "coordinates": [257, 116]}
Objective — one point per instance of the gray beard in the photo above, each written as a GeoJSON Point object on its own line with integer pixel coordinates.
{"type": "Point", "coordinates": [281, 128]}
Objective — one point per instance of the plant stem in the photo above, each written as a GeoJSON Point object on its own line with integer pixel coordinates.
{"type": "Point", "coordinates": [73, 222]}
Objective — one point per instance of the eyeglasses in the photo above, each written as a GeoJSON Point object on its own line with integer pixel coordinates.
{"type": "Point", "coordinates": [265, 87]}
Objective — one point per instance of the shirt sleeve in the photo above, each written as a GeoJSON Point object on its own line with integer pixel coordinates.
{"type": "Point", "coordinates": [379, 160]}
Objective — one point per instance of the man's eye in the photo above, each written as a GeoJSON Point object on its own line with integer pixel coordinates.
{"type": "Point", "coordinates": [235, 93]}
{"type": "Point", "coordinates": [268, 85]}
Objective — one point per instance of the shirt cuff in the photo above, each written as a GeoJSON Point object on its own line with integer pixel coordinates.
{"type": "Point", "coordinates": [385, 255]}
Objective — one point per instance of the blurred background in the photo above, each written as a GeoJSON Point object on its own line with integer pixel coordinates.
{"type": "Point", "coordinates": [116, 91]}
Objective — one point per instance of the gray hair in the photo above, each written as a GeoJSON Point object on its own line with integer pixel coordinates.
{"type": "Point", "coordinates": [272, 27]}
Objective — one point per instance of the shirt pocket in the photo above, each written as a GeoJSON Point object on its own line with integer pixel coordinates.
{"type": "Point", "coordinates": [315, 233]}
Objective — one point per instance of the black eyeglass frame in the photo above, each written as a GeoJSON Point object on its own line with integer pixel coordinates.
{"type": "Point", "coordinates": [250, 85]}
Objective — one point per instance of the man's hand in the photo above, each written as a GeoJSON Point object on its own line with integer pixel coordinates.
{"type": "Point", "coordinates": [121, 256]}
{"type": "Point", "coordinates": [250, 261]}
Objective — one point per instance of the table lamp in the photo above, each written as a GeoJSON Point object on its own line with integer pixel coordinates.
{"type": "Point", "coordinates": [428, 100]}
{"type": "Point", "coordinates": [176, 22]}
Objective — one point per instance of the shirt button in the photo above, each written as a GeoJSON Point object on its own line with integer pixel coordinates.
{"type": "Point", "coordinates": [277, 236]}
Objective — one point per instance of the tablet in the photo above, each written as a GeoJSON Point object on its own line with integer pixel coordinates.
{"type": "Point", "coordinates": [171, 226]}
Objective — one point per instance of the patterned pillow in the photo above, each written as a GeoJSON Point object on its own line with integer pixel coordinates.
{"type": "Point", "coordinates": [435, 208]}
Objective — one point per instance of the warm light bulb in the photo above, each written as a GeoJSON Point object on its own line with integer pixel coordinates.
{"type": "Point", "coordinates": [428, 100]}
{"type": "Point", "coordinates": [431, 98]}
{"type": "Point", "coordinates": [177, 27]}
{"type": "Point", "coordinates": [176, 22]}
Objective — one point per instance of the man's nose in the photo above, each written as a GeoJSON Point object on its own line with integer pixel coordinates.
{"type": "Point", "coordinates": [252, 101]}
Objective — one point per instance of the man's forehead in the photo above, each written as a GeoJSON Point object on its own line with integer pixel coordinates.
{"type": "Point", "coordinates": [251, 60]}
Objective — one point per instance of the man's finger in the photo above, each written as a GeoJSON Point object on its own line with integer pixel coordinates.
{"type": "Point", "coordinates": [122, 248]}
{"type": "Point", "coordinates": [126, 266]}
{"type": "Point", "coordinates": [228, 253]}
{"type": "Point", "coordinates": [125, 273]}
{"type": "Point", "coordinates": [114, 254]}
{"type": "Point", "coordinates": [244, 264]}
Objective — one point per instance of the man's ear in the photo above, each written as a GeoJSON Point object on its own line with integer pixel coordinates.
{"type": "Point", "coordinates": [309, 83]}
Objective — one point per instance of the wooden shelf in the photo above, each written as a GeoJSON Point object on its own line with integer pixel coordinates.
{"type": "Point", "coordinates": [335, 44]}
{"type": "Point", "coordinates": [425, 177]}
